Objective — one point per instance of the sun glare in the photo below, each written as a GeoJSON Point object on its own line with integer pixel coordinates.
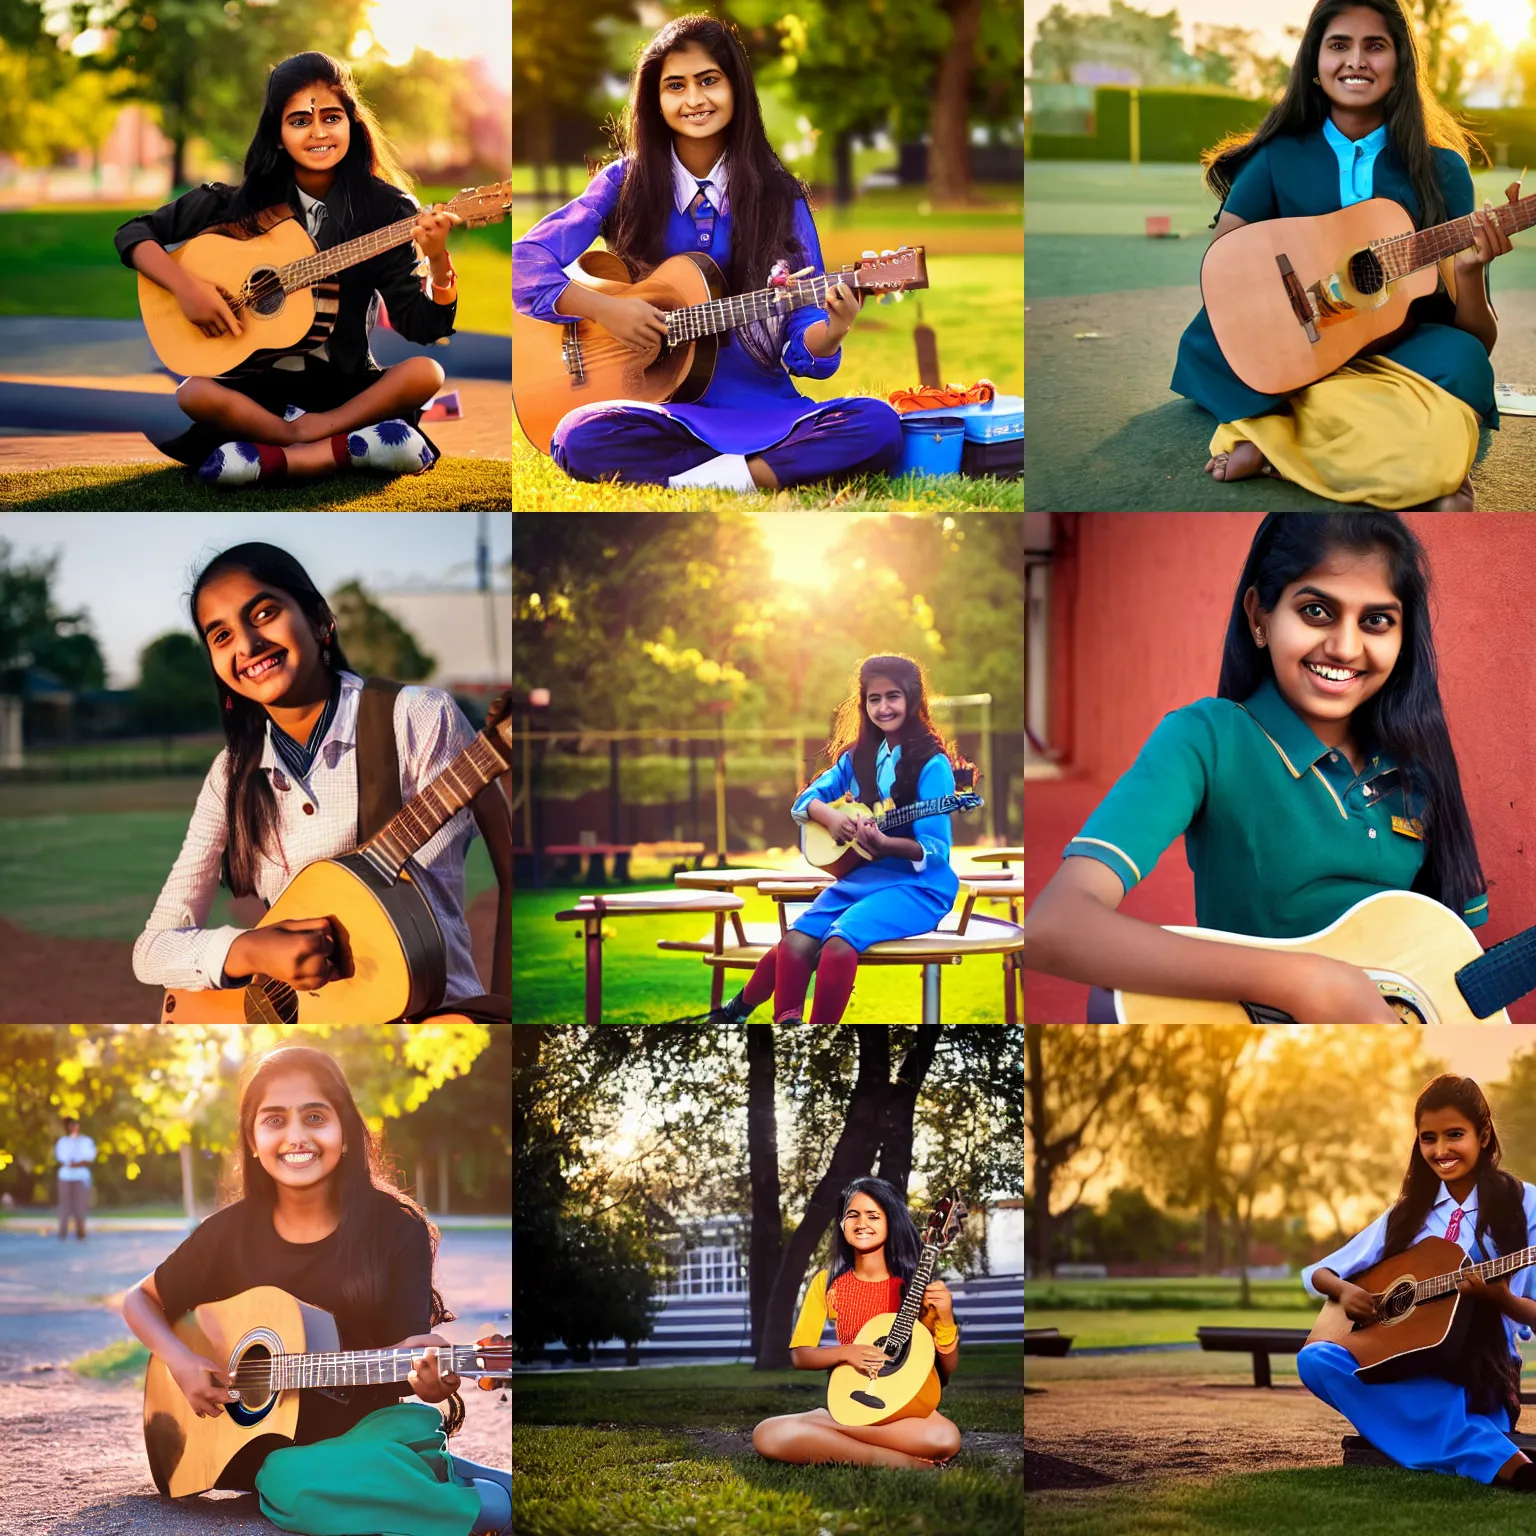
{"type": "Point", "coordinates": [465, 29]}
{"type": "Point", "coordinates": [1510, 19]}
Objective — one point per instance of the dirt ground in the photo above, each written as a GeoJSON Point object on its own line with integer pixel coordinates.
{"type": "Point", "coordinates": [738, 1442]}
{"type": "Point", "coordinates": [90, 981]}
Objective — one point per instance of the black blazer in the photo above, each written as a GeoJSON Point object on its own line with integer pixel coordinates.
{"type": "Point", "coordinates": [391, 274]}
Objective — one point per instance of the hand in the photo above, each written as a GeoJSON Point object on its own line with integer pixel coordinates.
{"type": "Point", "coordinates": [192, 1372]}
{"type": "Point", "coordinates": [301, 951]}
{"type": "Point", "coordinates": [1358, 1303]}
{"type": "Point", "coordinates": [430, 231]}
{"type": "Point", "coordinates": [1335, 992]}
{"type": "Point", "coordinates": [843, 306]}
{"type": "Point", "coordinates": [871, 839]}
{"type": "Point", "coordinates": [840, 824]}
{"type": "Point", "coordinates": [1495, 1292]}
{"type": "Point", "coordinates": [938, 1299]}
{"type": "Point", "coordinates": [864, 1357]}
{"type": "Point", "coordinates": [638, 324]}
{"type": "Point", "coordinates": [206, 305]}
{"type": "Point", "coordinates": [1490, 237]}
{"type": "Point", "coordinates": [430, 1385]}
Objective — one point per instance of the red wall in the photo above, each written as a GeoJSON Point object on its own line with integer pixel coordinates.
{"type": "Point", "coordinates": [1139, 605]}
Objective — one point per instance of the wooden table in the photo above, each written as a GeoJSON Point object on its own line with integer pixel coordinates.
{"type": "Point", "coordinates": [591, 910]}
{"type": "Point", "coordinates": [999, 856]}
{"type": "Point", "coordinates": [745, 879]}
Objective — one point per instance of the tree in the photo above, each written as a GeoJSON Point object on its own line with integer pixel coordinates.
{"type": "Point", "coordinates": [377, 643]}
{"type": "Point", "coordinates": [33, 631]}
{"type": "Point", "coordinates": [767, 1241]}
{"type": "Point", "coordinates": [1144, 46]}
{"type": "Point", "coordinates": [174, 692]}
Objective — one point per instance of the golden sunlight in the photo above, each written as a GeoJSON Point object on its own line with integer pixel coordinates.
{"type": "Point", "coordinates": [1510, 19]}
{"type": "Point", "coordinates": [465, 29]}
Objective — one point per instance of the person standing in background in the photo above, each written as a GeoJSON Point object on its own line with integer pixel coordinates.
{"type": "Point", "coordinates": [75, 1153]}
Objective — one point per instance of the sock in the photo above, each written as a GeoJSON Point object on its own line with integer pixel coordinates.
{"type": "Point", "coordinates": [760, 983]}
{"type": "Point", "coordinates": [292, 413]}
{"type": "Point", "coordinates": [1524, 1477]}
{"type": "Point", "coordinates": [243, 464]}
{"type": "Point", "coordinates": [729, 472]}
{"type": "Point", "coordinates": [391, 447]}
{"type": "Point", "coordinates": [789, 991]}
{"type": "Point", "coordinates": [495, 1508]}
{"type": "Point", "coordinates": [834, 983]}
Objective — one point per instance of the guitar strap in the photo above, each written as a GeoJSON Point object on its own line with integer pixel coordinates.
{"type": "Point", "coordinates": [378, 758]}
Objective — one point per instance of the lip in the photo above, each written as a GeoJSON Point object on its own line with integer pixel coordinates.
{"type": "Point", "coordinates": [1355, 80]}
{"type": "Point", "coordinates": [282, 1157]}
{"type": "Point", "coordinates": [280, 656]}
{"type": "Point", "coordinates": [1328, 685]}
{"type": "Point", "coordinates": [320, 149]}
{"type": "Point", "coordinates": [703, 117]}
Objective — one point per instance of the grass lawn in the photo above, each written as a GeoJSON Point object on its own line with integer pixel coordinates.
{"type": "Point", "coordinates": [646, 985]}
{"type": "Point", "coordinates": [454, 484]}
{"type": "Point", "coordinates": [611, 1454]}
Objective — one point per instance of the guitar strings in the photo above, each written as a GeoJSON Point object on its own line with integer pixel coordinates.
{"type": "Point", "coordinates": [260, 1374]}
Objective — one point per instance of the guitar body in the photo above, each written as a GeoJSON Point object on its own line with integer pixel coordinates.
{"type": "Point", "coordinates": [907, 1388]}
{"type": "Point", "coordinates": [556, 368]}
{"type": "Point", "coordinates": [1250, 305]}
{"type": "Point", "coordinates": [188, 1454]}
{"type": "Point", "coordinates": [1411, 945]}
{"type": "Point", "coordinates": [280, 322]}
{"type": "Point", "coordinates": [825, 852]}
{"type": "Point", "coordinates": [1422, 1339]}
{"type": "Point", "coordinates": [389, 946]}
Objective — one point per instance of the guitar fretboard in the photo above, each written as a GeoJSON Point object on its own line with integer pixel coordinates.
{"type": "Point", "coordinates": [361, 1367]}
{"type": "Point", "coordinates": [1491, 1269]}
{"type": "Point", "coordinates": [910, 813]}
{"type": "Point", "coordinates": [912, 1302]}
{"type": "Point", "coordinates": [738, 309]}
{"type": "Point", "coordinates": [1401, 254]}
{"type": "Point", "coordinates": [420, 818]}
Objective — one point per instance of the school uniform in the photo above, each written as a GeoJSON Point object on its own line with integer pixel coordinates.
{"type": "Point", "coordinates": [343, 365]}
{"type": "Point", "coordinates": [885, 898]}
{"type": "Point", "coordinates": [1423, 1423]}
{"type": "Point", "coordinates": [746, 409]}
{"type": "Point", "coordinates": [1345, 436]}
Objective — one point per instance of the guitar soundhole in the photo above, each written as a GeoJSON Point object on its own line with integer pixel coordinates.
{"type": "Point", "coordinates": [1366, 273]}
{"type": "Point", "coordinates": [264, 292]}
{"type": "Point", "coordinates": [271, 1002]}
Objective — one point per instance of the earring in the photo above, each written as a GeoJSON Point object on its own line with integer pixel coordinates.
{"type": "Point", "coordinates": [229, 704]}
{"type": "Point", "coordinates": [1258, 635]}
{"type": "Point", "coordinates": [1317, 80]}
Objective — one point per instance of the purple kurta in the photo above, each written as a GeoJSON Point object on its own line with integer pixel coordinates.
{"type": "Point", "coordinates": [746, 408]}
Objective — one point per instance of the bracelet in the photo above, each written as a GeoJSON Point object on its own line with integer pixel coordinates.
{"type": "Point", "coordinates": [941, 1342]}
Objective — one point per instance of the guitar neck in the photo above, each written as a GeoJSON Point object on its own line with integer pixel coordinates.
{"type": "Point", "coordinates": [739, 309]}
{"type": "Point", "coordinates": [1402, 254]}
{"type": "Point", "coordinates": [910, 813]}
{"type": "Point", "coordinates": [362, 1367]}
{"type": "Point", "coordinates": [1490, 1269]}
{"type": "Point", "coordinates": [419, 820]}
{"type": "Point", "coordinates": [309, 270]}
{"type": "Point", "coordinates": [912, 1302]}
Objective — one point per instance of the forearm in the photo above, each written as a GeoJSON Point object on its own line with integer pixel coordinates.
{"type": "Point", "coordinates": [819, 341]}
{"type": "Point", "coordinates": [814, 1358]}
{"type": "Point", "coordinates": [903, 848]}
{"type": "Point", "coordinates": [501, 962]}
{"type": "Point", "coordinates": [1326, 1283]}
{"type": "Point", "coordinates": [586, 302]}
{"type": "Point", "coordinates": [1519, 1309]}
{"type": "Point", "coordinates": [1473, 312]}
{"type": "Point", "coordinates": [157, 264]}
{"type": "Point", "coordinates": [149, 1326]}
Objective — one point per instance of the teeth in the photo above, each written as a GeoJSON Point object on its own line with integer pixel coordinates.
{"type": "Point", "coordinates": [1333, 674]}
{"type": "Point", "coordinates": [265, 665]}
{"type": "Point", "coordinates": [298, 1158]}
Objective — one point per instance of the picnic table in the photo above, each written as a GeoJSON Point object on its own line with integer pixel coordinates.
{"type": "Point", "coordinates": [1261, 1343]}
{"type": "Point", "coordinates": [1046, 1341]}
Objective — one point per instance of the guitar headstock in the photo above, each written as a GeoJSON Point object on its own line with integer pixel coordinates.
{"type": "Point", "coordinates": [894, 272]}
{"type": "Point", "coordinates": [498, 723]}
{"type": "Point", "coordinates": [945, 1222]}
{"type": "Point", "coordinates": [481, 205]}
{"type": "Point", "coordinates": [493, 1355]}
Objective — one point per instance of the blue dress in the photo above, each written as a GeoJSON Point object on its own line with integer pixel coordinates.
{"type": "Point", "coordinates": [1294, 177]}
{"type": "Point", "coordinates": [885, 898]}
{"type": "Point", "coordinates": [1423, 1423]}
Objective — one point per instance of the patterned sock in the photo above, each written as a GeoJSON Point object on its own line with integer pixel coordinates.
{"type": "Point", "coordinates": [834, 983]}
{"type": "Point", "coordinates": [390, 447]}
{"type": "Point", "coordinates": [789, 991]}
{"type": "Point", "coordinates": [759, 987]}
{"type": "Point", "coordinates": [292, 413]}
{"type": "Point", "coordinates": [243, 464]}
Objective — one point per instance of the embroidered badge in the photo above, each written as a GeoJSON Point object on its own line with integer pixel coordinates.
{"type": "Point", "coordinates": [1409, 826]}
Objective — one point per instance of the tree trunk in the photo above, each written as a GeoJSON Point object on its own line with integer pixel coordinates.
{"type": "Point", "coordinates": [1042, 1167]}
{"type": "Point", "coordinates": [853, 1155]}
{"type": "Point", "coordinates": [188, 1196]}
{"type": "Point", "coordinates": [949, 147]}
{"type": "Point", "coordinates": [900, 1107]}
{"type": "Point", "coordinates": [842, 168]}
{"type": "Point", "coordinates": [763, 1173]}
{"type": "Point", "coordinates": [442, 1182]}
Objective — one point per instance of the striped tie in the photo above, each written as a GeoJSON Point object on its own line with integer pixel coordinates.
{"type": "Point", "coordinates": [703, 213]}
{"type": "Point", "coordinates": [1455, 1226]}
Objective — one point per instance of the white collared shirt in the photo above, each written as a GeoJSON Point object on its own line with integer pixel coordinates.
{"type": "Point", "coordinates": [685, 185]}
{"type": "Point", "coordinates": [316, 819]}
{"type": "Point", "coordinates": [1370, 1246]}
{"type": "Point", "coordinates": [74, 1149]}
{"type": "Point", "coordinates": [310, 205]}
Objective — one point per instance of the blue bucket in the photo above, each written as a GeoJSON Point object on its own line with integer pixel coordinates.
{"type": "Point", "coordinates": [931, 445]}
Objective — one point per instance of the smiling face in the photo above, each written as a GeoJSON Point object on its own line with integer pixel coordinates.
{"type": "Point", "coordinates": [262, 645]}
{"type": "Point", "coordinates": [297, 1134]}
{"type": "Point", "coordinates": [696, 98]}
{"type": "Point", "coordinates": [1357, 63]}
{"type": "Point", "coordinates": [1449, 1143]}
{"type": "Point", "coordinates": [886, 705]}
{"type": "Point", "coordinates": [1334, 637]}
{"type": "Point", "coordinates": [316, 130]}
{"type": "Point", "coordinates": [864, 1224]}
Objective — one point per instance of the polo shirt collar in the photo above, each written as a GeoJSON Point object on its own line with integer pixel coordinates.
{"type": "Point", "coordinates": [1297, 746]}
{"type": "Point", "coordinates": [1373, 143]}
{"type": "Point", "coordinates": [685, 185]}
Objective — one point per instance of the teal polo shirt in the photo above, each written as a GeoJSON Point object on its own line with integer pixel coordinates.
{"type": "Point", "coordinates": [1282, 834]}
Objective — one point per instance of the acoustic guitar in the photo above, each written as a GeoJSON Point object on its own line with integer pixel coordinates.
{"type": "Point", "coordinates": [1421, 1318]}
{"type": "Point", "coordinates": [388, 945]}
{"type": "Point", "coordinates": [907, 1386]}
{"type": "Point", "coordinates": [1291, 300]}
{"type": "Point", "coordinates": [276, 282]}
{"type": "Point", "coordinates": [825, 852]}
{"type": "Point", "coordinates": [275, 1349]}
{"type": "Point", "coordinates": [555, 368]}
{"type": "Point", "coordinates": [1423, 958]}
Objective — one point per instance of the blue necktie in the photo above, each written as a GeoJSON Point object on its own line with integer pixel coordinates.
{"type": "Point", "coordinates": [703, 213]}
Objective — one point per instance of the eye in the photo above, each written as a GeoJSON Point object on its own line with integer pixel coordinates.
{"type": "Point", "coordinates": [1307, 611]}
{"type": "Point", "coordinates": [1387, 621]}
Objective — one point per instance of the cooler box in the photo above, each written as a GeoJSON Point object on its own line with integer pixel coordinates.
{"type": "Point", "coordinates": [933, 445]}
{"type": "Point", "coordinates": [992, 442]}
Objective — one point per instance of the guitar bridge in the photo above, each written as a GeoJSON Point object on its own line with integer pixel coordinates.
{"type": "Point", "coordinates": [570, 354]}
{"type": "Point", "coordinates": [1300, 306]}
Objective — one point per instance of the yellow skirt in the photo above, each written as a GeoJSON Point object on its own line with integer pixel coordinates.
{"type": "Point", "coordinates": [1372, 432]}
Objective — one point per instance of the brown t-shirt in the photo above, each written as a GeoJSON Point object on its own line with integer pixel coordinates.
{"type": "Point", "coordinates": [236, 1249]}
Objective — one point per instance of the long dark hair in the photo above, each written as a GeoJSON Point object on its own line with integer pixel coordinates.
{"type": "Point", "coordinates": [250, 810]}
{"type": "Point", "coordinates": [1415, 120]}
{"type": "Point", "coordinates": [269, 167]}
{"type": "Point", "coordinates": [371, 1202]}
{"type": "Point", "coordinates": [762, 194]}
{"type": "Point", "coordinates": [1405, 716]}
{"type": "Point", "coordinates": [853, 730]}
{"type": "Point", "coordinates": [1500, 1213]}
{"type": "Point", "coordinates": [903, 1246]}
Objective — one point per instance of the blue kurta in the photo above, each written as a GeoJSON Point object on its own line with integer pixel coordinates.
{"type": "Point", "coordinates": [1300, 177]}
{"type": "Point", "coordinates": [746, 408]}
{"type": "Point", "coordinates": [885, 898]}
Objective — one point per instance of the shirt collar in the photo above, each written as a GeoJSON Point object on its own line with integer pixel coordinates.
{"type": "Point", "coordinates": [1468, 1206]}
{"type": "Point", "coordinates": [1292, 738]}
{"type": "Point", "coordinates": [1372, 143]}
{"type": "Point", "coordinates": [685, 185]}
{"type": "Point", "coordinates": [886, 752]}
{"type": "Point", "coordinates": [343, 729]}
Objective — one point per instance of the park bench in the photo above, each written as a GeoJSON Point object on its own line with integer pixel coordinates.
{"type": "Point", "coordinates": [571, 855]}
{"type": "Point", "coordinates": [1046, 1341]}
{"type": "Point", "coordinates": [1261, 1343]}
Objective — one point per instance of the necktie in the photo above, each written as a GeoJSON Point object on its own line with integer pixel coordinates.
{"type": "Point", "coordinates": [1455, 1226]}
{"type": "Point", "coordinates": [703, 214]}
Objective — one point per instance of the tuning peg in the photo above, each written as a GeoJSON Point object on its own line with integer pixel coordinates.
{"type": "Point", "coordinates": [869, 255]}
{"type": "Point", "coordinates": [887, 253]}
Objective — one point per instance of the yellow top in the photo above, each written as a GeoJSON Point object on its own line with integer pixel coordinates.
{"type": "Point", "coordinates": [818, 1307]}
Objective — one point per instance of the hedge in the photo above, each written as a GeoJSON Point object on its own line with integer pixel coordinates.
{"type": "Point", "coordinates": [1176, 124]}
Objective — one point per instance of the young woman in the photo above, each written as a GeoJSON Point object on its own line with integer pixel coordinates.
{"type": "Point", "coordinates": [875, 1248]}
{"type": "Point", "coordinates": [1320, 774]}
{"type": "Point", "coordinates": [884, 746]}
{"type": "Point", "coordinates": [1454, 1189]}
{"type": "Point", "coordinates": [1397, 428]}
{"type": "Point", "coordinates": [312, 1211]}
{"type": "Point", "coordinates": [284, 792]}
{"type": "Point", "coordinates": [319, 150]}
{"type": "Point", "coordinates": [698, 174]}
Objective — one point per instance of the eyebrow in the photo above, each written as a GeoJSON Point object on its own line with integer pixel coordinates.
{"type": "Point", "coordinates": [282, 1109]}
{"type": "Point", "coordinates": [714, 69]}
{"type": "Point", "coordinates": [213, 624]}
{"type": "Point", "coordinates": [1370, 37]}
{"type": "Point", "coordinates": [1388, 607]}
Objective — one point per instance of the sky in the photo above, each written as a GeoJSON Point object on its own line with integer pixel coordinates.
{"type": "Point", "coordinates": [450, 28]}
{"type": "Point", "coordinates": [132, 572]}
